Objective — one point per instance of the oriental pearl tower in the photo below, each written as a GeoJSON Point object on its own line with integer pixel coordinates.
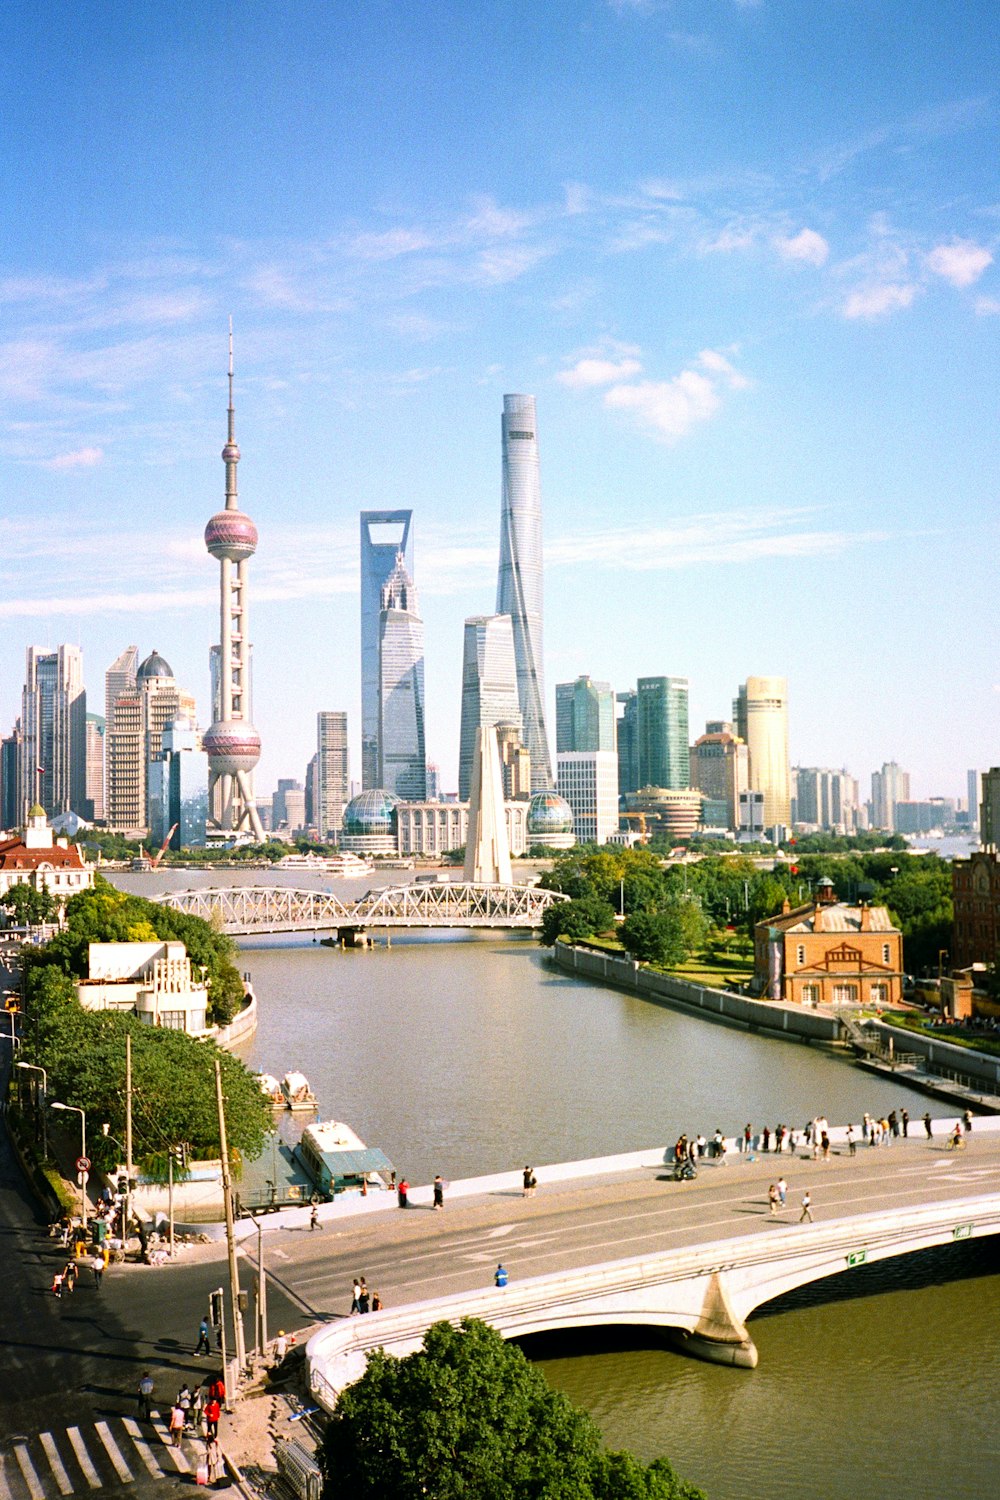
{"type": "Point", "coordinates": [232, 744]}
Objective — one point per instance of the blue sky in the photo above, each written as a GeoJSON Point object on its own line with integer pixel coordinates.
{"type": "Point", "coordinates": [746, 256]}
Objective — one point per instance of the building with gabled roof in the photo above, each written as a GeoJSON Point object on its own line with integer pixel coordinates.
{"type": "Point", "coordinates": [39, 859]}
{"type": "Point", "coordinates": [828, 952]}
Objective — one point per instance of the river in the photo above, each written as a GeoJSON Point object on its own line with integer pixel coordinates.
{"type": "Point", "coordinates": [469, 1054]}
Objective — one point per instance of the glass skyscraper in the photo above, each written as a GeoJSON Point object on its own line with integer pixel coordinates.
{"type": "Point", "coordinates": [384, 535]}
{"type": "Point", "coordinates": [489, 687]}
{"type": "Point", "coordinates": [761, 714]}
{"type": "Point", "coordinates": [519, 583]}
{"type": "Point", "coordinates": [585, 716]}
{"type": "Point", "coordinates": [402, 756]}
{"type": "Point", "coordinates": [662, 724]}
{"type": "Point", "coordinates": [333, 773]}
{"type": "Point", "coordinates": [52, 765]}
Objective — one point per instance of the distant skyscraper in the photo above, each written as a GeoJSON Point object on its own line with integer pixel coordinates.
{"type": "Point", "coordinates": [333, 773]}
{"type": "Point", "coordinates": [720, 769]}
{"type": "Point", "coordinates": [662, 720]}
{"type": "Point", "coordinates": [384, 535]}
{"type": "Point", "coordinates": [519, 583]}
{"type": "Point", "coordinates": [889, 786]}
{"type": "Point", "coordinates": [288, 805]}
{"type": "Point", "coordinates": [53, 760]}
{"type": "Point", "coordinates": [826, 798]}
{"type": "Point", "coordinates": [489, 687]}
{"type": "Point", "coordinates": [761, 714]}
{"type": "Point", "coordinates": [627, 733]}
{"type": "Point", "coordinates": [10, 817]}
{"type": "Point", "coordinates": [402, 756]}
{"type": "Point", "coordinates": [232, 743]}
{"type": "Point", "coordinates": [585, 716]}
{"type": "Point", "coordinates": [118, 679]}
{"type": "Point", "coordinates": [125, 763]}
{"type": "Point", "coordinates": [95, 767]}
{"type": "Point", "coordinates": [312, 791]}
{"type": "Point", "coordinates": [177, 796]}
{"type": "Point", "coordinates": [433, 781]}
{"type": "Point", "coordinates": [588, 779]}
{"type": "Point", "coordinates": [989, 810]}
{"type": "Point", "coordinates": [974, 780]}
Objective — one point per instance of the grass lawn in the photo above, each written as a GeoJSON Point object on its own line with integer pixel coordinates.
{"type": "Point", "coordinates": [913, 1022]}
{"type": "Point", "coordinates": [715, 971]}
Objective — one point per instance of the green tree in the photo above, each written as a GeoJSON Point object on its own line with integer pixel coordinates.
{"type": "Point", "coordinates": [586, 917]}
{"type": "Point", "coordinates": [467, 1417]}
{"type": "Point", "coordinates": [665, 937]}
{"type": "Point", "coordinates": [28, 906]}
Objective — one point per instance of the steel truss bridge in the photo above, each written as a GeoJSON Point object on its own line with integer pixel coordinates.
{"type": "Point", "coordinates": [247, 909]}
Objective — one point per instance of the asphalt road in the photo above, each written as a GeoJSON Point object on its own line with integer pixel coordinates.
{"type": "Point", "coordinates": [70, 1367]}
{"type": "Point", "coordinates": [414, 1254]}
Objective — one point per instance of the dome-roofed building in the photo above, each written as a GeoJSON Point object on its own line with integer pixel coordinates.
{"type": "Point", "coordinates": [370, 823]}
{"type": "Point", "coordinates": [154, 666]}
{"type": "Point", "coordinates": [550, 821]}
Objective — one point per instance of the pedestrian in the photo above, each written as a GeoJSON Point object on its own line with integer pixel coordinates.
{"type": "Point", "coordinates": [765, 1144]}
{"type": "Point", "coordinates": [852, 1145]}
{"type": "Point", "coordinates": [967, 1121]}
{"type": "Point", "coordinates": [866, 1124]}
{"type": "Point", "coordinates": [402, 1193]}
{"type": "Point", "coordinates": [146, 1396]}
{"type": "Point", "coordinates": [213, 1411]}
{"type": "Point", "coordinates": [701, 1144]}
{"type": "Point", "coordinates": [184, 1402]}
{"type": "Point", "coordinates": [824, 1142]}
{"type": "Point", "coordinates": [806, 1208]}
{"type": "Point", "coordinates": [355, 1297]}
{"type": "Point", "coordinates": [719, 1146]}
{"type": "Point", "coordinates": [500, 1275]}
{"type": "Point", "coordinates": [782, 1187]}
{"type": "Point", "coordinates": [204, 1344]}
{"type": "Point", "coordinates": [176, 1425]}
{"type": "Point", "coordinates": [280, 1348]}
{"type": "Point", "coordinates": [313, 1218]}
{"type": "Point", "coordinates": [793, 1140]}
{"type": "Point", "coordinates": [198, 1408]}
{"type": "Point", "coordinates": [57, 1284]}
{"type": "Point", "coordinates": [97, 1266]}
{"type": "Point", "coordinates": [894, 1125]}
{"type": "Point", "coordinates": [927, 1127]}
{"type": "Point", "coordinates": [905, 1119]}
{"type": "Point", "coordinates": [747, 1137]}
{"type": "Point", "coordinates": [438, 1191]}
{"type": "Point", "coordinates": [772, 1197]}
{"type": "Point", "coordinates": [213, 1460]}
{"type": "Point", "coordinates": [376, 1302]}
{"type": "Point", "coordinates": [364, 1300]}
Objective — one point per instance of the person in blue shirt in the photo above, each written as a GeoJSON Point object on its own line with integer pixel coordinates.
{"type": "Point", "coordinates": [500, 1276]}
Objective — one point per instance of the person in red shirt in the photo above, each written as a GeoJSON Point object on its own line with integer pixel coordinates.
{"type": "Point", "coordinates": [213, 1412]}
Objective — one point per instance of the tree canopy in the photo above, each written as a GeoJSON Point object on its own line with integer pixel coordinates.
{"type": "Point", "coordinates": [468, 1417]}
{"type": "Point", "coordinates": [29, 906]}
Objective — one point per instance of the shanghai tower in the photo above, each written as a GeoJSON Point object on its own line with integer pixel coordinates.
{"type": "Point", "coordinates": [519, 582]}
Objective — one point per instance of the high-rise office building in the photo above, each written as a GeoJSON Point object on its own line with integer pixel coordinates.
{"type": "Point", "coordinates": [312, 791]}
{"type": "Point", "coordinates": [118, 679]}
{"type": "Point", "coordinates": [95, 767]}
{"type": "Point", "coordinates": [825, 798]}
{"type": "Point", "coordinates": [989, 810]}
{"type": "Point", "coordinates": [177, 791]}
{"type": "Point", "coordinates": [402, 756]}
{"type": "Point", "coordinates": [489, 687]}
{"type": "Point", "coordinates": [9, 760]}
{"type": "Point", "coordinates": [231, 741]}
{"type": "Point", "coordinates": [760, 712]}
{"type": "Point", "coordinates": [515, 763]}
{"type": "Point", "coordinates": [333, 774]}
{"type": "Point", "coordinates": [588, 780]}
{"type": "Point", "coordinates": [627, 736]}
{"type": "Point", "coordinates": [974, 781]}
{"type": "Point", "coordinates": [585, 716]}
{"type": "Point", "coordinates": [133, 743]}
{"type": "Point", "coordinates": [889, 786]}
{"type": "Point", "coordinates": [53, 759]}
{"type": "Point", "coordinates": [384, 535]}
{"type": "Point", "coordinates": [664, 747]}
{"type": "Point", "coordinates": [720, 769]}
{"type": "Point", "coordinates": [288, 805]}
{"type": "Point", "coordinates": [519, 582]}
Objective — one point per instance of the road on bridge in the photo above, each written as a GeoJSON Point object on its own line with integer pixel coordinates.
{"type": "Point", "coordinates": [415, 1254]}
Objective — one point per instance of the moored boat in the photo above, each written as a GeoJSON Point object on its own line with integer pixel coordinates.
{"type": "Point", "coordinates": [296, 1091]}
{"type": "Point", "coordinates": [338, 1161]}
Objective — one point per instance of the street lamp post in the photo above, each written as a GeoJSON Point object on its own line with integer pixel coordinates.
{"type": "Point", "coordinates": [83, 1153]}
{"type": "Point", "coordinates": [37, 1068]}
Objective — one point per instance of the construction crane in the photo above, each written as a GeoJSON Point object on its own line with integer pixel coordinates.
{"type": "Point", "coordinates": [163, 847]}
{"type": "Point", "coordinates": [636, 817]}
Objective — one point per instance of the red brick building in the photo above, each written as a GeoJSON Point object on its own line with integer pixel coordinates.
{"type": "Point", "coordinates": [829, 953]}
{"type": "Point", "coordinates": [975, 888]}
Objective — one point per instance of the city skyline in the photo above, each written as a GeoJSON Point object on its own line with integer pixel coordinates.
{"type": "Point", "coordinates": [757, 305]}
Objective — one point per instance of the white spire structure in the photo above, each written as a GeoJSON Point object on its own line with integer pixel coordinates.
{"type": "Point", "coordinates": [487, 849]}
{"type": "Point", "coordinates": [232, 743]}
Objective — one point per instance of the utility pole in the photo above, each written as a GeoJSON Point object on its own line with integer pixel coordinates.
{"type": "Point", "coordinates": [127, 1209]}
{"type": "Point", "coordinates": [170, 1196]}
{"type": "Point", "coordinates": [240, 1352]}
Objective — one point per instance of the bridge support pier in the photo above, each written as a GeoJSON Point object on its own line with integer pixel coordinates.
{"type": "Point", "coordinates": [719, 1335]}
{"type": "Point", "coordinates": [355, 937]}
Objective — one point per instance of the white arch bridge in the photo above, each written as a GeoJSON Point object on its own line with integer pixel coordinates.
{"type": "Point", "coordinates": [248, 909]}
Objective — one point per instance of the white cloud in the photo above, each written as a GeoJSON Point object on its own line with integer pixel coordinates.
{"type": "Point", "coordinates": [712, 360]}
{"type": "Point", "coordinates": [987, 307]}
{"type": "Point", "coordinates": [501, 265]}
{"type": "Point", "coordinates": [878, 301]}
{"type": "Point", "coordinates": [806, 246]}
{"type": "Point", "coordinates": [669, 407]}
{"type": "Point", "coordinates": [961, 262]}
{"type": "Point", "coordinates": [390, 244]}
{"type": "Point", "coordinates": [490, 221]}
{"type": "Point", "coordinates": [82, 458]}
{"type": "Point", "coordinates": [590, 372]}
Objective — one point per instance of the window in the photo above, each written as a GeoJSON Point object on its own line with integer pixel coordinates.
{"type": "Point", "coordinates": [173, 1020]}
{"type": "Point", "coordinates": [800, 954]}
{"type": "Point", "coordinates": [810, 994]}
{"type": "Point", "coordinates": [885, 953]}
{"type": "Point", "coordinates": [879, 994]}
{"type": "Point", "coordinates": [527, 435]}
{"type": "Point", "coordinates": [845, 994]}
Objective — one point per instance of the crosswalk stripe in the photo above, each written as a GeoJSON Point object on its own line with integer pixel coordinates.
{"type": "Point", "coordinates": [132, 1428]}
{"type": "Point", "coordinates": [90, 1474]}
{"type": "Point", "coordinates": [28, 1470]}
{"type": "Point", "coordinates": [114, 1453]}
{"type": "Point", "coordinates": [5, 1493]}
{"type": "Point", "coordinates": [180, 1462]}
{"type": "Point", "coordinates": [56, 1463]}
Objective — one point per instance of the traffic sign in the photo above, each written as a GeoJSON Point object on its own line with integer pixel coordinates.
{"type": "Point", "coordinates": [857, 1257]}
{"type": "Point", "coordinates": [83, 1164]}
{"type": "Point", "coordinates": [82, 1177]}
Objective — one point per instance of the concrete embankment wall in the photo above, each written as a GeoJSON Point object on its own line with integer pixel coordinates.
{"type": "Point", "coordinates": [944, 1057]}
{"type": "Point", "coordinates": [791, 1022]}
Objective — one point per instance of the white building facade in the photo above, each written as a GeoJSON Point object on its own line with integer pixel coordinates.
{"type": "Point", "coordinates": [588, 779]}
